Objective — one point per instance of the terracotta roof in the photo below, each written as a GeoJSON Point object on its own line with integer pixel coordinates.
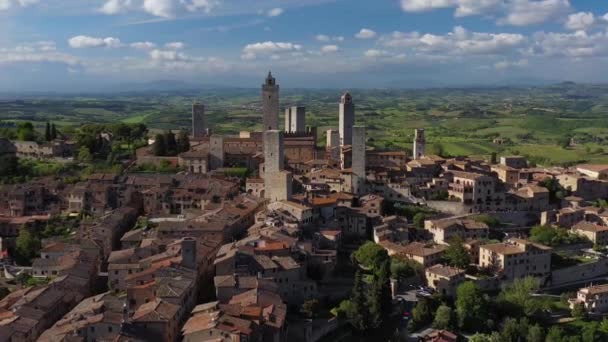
{"type": "Point", "coordinates": [445, 271]}
{"type": "Point", "coordinates": [597, 289]}
{"type": "Point", "coordinates": [589, 227]}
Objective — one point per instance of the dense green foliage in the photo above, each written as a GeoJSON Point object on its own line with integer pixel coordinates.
{"type": "Point", "coordinates": [471, 307]}
{"type": "Point", "coordinates": [554, 236]}
{"type": "Point", "coordinates": [370, 255]}
{"type": "Point", "coordinates": [456, 254]}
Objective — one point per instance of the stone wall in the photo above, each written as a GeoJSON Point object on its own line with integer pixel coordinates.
{"type": "Point", "coordinates": [578, 273]}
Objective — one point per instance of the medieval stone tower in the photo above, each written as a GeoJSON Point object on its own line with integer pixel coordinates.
{"type": "Point", "coordinates": [270, 103]}
{"type": "Point", "coordinates": [277, 181]}
{"type": "Point", "coordinates": [358, 160]}
{"type": "Point", "coordinates": [419, 143]}
{"type": "Point", "coordinates": [216, 152]}
{"type": "Point", "coordinates": [295, 119]}
{"type": "Point", "coordinates": [346, 119]}
{"type": "Point", "coordinates": [198, 120]}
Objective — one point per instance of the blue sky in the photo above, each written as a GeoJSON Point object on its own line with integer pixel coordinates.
{"type": "Point", "coordinates": [88, 45]}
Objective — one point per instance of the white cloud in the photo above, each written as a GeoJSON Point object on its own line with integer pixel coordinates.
{"type": "Point", "coordinates": [580, 21]}
{"type": "Point", "coordinates": [503, 65]}
{"type": "Point", "coordinates": [374, 53]}
{"type": "Point", "coordinates": [251, 51]}
{"type": "Point", "coordinates": [158, 8]}
{"type": "Point", "coordinates": [7, 4]}
{"type": "Point", "coordinates": [36, 52]}
{"type": "Point", "coordinates": [143, 45]}
{"type": "Point", "coordinates": [326, 38]}
{"type": "Point", "coordinates": [463, 7]}
{"type": "Point", "coordinates": [79, 42]}
{"type": "Point", "coordinates": [175, 45]}
{"type": "Point", "coordinates": [167, 55]}
{"type": "Point", "coordinates": [365, 34]}
{"type": "Point", "coordinates": [116, 6]}
{"type": "Point", "coordinates": [198, 5]}
{"type": "Point", "coordinates": [459, 41]}
{"type": "Point", "coordinates": [528, 12]}
{"type": "Point", "coordinates": [275, 12]}
{"type": "Point", "coordinates": [425, 5]}
{"type": "Point", "coordinates": [330, 49]}
{"type": "Point", "coordinates": [577, 45]}
{"type": "Point", "coordinates": [508, 12]}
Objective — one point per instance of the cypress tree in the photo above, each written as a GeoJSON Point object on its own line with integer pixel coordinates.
{"type": "Point", "coordinates": [358, 317]}
{"type": "Point", "coordinates": [53, 132]}
{"type": "Point", "coordinates": [159, 148]}
{"type": "Point", "coordinates": [170, 143]}
{"type": "Point", "coordinates": [183, 141]}
{"type": "Point", "coordinates": [47, 132]}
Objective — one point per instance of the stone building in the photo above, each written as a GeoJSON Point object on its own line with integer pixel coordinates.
{"type": "Point", "coordinates": [594, 298]}
{"type": "Point", "coordinates": [216, 152]}
{"type": "Point", "coordinates": [594, 232]}
{"type": "Point", "coordinates": [419, 144]}
{"type": "Point", "coordinates": [198, 120]}
{"type": "Point", "coordinates": [332, 147]}
{"type": "Point", "coordinates": [277, 181]}
{"type": "Point", "coordinates": [358, 160]}
{"type": "Point", "coordinates": [346, 119]}
{"type": "Point", "coordinates": [516, 258]}
{"type": "Point", "coordinates": [444, 230]}
{"type": "Point", "coordinates": [295, 119]}
{"type": "Point", "coordinates": [444, 279]}
{"type": "Point", "coordinates": [270, 103]}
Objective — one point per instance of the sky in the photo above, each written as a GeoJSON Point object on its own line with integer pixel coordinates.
{"type": "Point", "coordinates": [79, 45]}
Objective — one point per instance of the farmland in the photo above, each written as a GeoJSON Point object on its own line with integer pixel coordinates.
{"type": "Point", "coordinates": [554, 125]}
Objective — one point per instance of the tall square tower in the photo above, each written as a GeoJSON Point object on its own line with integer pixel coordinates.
{"type": "Point", "coordinates": [198, 120]}
{"type": "Point", "coordinates": [270, 103]}
{"type": "Point", "coordinates": [346, 119]}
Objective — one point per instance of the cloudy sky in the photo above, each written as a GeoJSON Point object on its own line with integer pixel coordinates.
{"type": "Point", "coordinates": [90, 44]}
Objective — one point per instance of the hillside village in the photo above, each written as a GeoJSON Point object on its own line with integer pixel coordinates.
{"type": "Point", "coordinates": [287, 249]}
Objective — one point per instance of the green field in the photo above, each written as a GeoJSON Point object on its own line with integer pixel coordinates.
{"type": "Point", "coordinates": [532, 121]}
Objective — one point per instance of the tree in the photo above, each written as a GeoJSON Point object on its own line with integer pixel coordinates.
{"type": "Point", "coordinates": [53, 132]}
{"type": "Point", "coordinates": [380, 299]}
{"type": "Point", "coordinates": [171, 143]}
{"type": "Point", "coordinates": [310, 308]}
{"type": "Point", "coordinates": [183, 143]}
{"type": "Point", "coordinates": [578, 310]}
{"type": "Point", "coordinates": [555, 334]}
{"type": "Point", "coordinates": [535, 334]}
{"type": "Point", "coordinates": [47, 132]}
{"type": "Point", "coordinates": [27, 246]}
{"type": "Point", "coordinates": [471, 306]}
{"type": "Point", "coordinates": [422, 312]}
{"type": "Point", "coordinates": [493, 158]}
{"type": "Point", "coordinates": [443, 318]}
{"type": "Point", "coordinates": [159, 148]}
{"type": "Point", "coordinates": [591, 332]}
{"type": "Point", "coordinates": [360, 313]}
{"type": "Point", "coordinates": [84, 154]}
{"type": "Point", "coordinates": [604, 326]}
{"type": "Point", "coordinates": [513, 330]}
{"type": "Point", "coordinates": [404, 268]}
{"type": "Point", "coordinates": [517, 296]}
{"type": "Point", "coordinates": [456, 255]}
{"type": "Point", "coordinates": [25, 131]}
{"type": "Point", "coordinates": [370, 255]}
{"type": "Point", "coordinates": [418, 220]}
